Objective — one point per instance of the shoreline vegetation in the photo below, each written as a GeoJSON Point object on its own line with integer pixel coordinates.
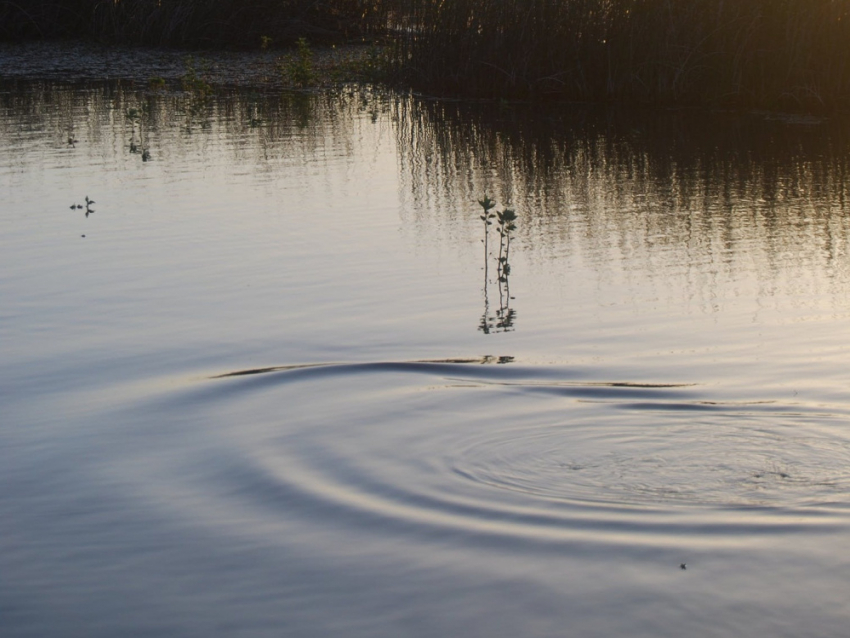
{"type": "Point", "coordinates": [780, 55]}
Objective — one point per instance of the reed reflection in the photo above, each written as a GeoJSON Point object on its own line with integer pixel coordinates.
{"type": "Point", "coordinates": [690, 198]}
{"type": "Point", "coordinates": [258, 129]}
{"type": "Point", "coordinates": [137, 117]}
{"type": "Point", "coordinates": [700, 196]}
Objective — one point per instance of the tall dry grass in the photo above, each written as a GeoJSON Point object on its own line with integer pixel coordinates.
{"type": "Point", "coordinates": [771, 53]}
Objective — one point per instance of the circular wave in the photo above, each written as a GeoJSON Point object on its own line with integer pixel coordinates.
{"type": "Point", "coordinates": [514, 453]}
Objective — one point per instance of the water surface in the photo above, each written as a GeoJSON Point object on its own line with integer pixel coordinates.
{"type": "Point", "coordinates": [265, 385]}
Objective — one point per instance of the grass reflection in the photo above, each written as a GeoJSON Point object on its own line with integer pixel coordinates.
{"type": "Point", "coordinates": [692, 193]}
{"type": "Point", "coordinates": [750, 192]}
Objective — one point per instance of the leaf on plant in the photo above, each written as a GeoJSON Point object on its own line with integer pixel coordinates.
{"type": "Point", "coordinates": [487, 203]}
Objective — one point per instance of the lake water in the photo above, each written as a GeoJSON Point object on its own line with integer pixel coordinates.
{"type": "Point", "coordinates": [270, 384]}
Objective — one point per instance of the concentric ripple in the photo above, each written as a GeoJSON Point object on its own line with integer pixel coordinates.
{"type": "Point", "coordinates": [517, 452]}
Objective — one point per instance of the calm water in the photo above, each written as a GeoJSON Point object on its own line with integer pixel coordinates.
{"type": "Point", "coordinates": [266, 387]}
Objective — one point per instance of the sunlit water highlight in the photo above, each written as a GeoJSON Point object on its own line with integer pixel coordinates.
{"type": "Point", "coordinates": [263, 387]}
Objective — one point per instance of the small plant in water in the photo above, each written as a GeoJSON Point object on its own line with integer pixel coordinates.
{"type": "Point", "coordinates": [193, 80]}
{"type": "Point", "coordinates": [487, 204]}
{"type": "Point", "coordinates": [89, 209]}
{"type": "Point", "coordinates": [199, 91]}
{"type": "Point", "coordinates": [374, 67]}
{"type": "Point", "coordinates": [299, 68]}
{"type": "Point", "coordinates": [506, 219]}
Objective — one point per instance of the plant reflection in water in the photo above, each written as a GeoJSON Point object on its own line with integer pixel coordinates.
{"type": "Point", "coordinates": [503, 319]}
{"type": "Point", "coordinates": [138, 140]}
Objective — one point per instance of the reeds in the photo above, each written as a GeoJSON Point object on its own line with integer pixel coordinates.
{"type": "Point", "coordinates": [196, 23]}
{"type": "Point", "coordinates": [775, 54]}
{"type": "Point", "coordinates": [767, 53]}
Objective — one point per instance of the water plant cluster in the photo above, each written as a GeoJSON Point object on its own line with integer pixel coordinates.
{"type": "Point", "coordinates": [297, 68]}
{"type": "Point", "coordinates": [505, 221]}
{"type": "Point", "coordinates": [194, 79]}
{"type": "Point", "coordinates": [197, 91]}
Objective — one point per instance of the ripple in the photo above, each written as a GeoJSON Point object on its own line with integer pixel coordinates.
{"type": "Point", "coordinates": [732, 459]}
{"type": "Point", "coordinates": [455, 447]}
